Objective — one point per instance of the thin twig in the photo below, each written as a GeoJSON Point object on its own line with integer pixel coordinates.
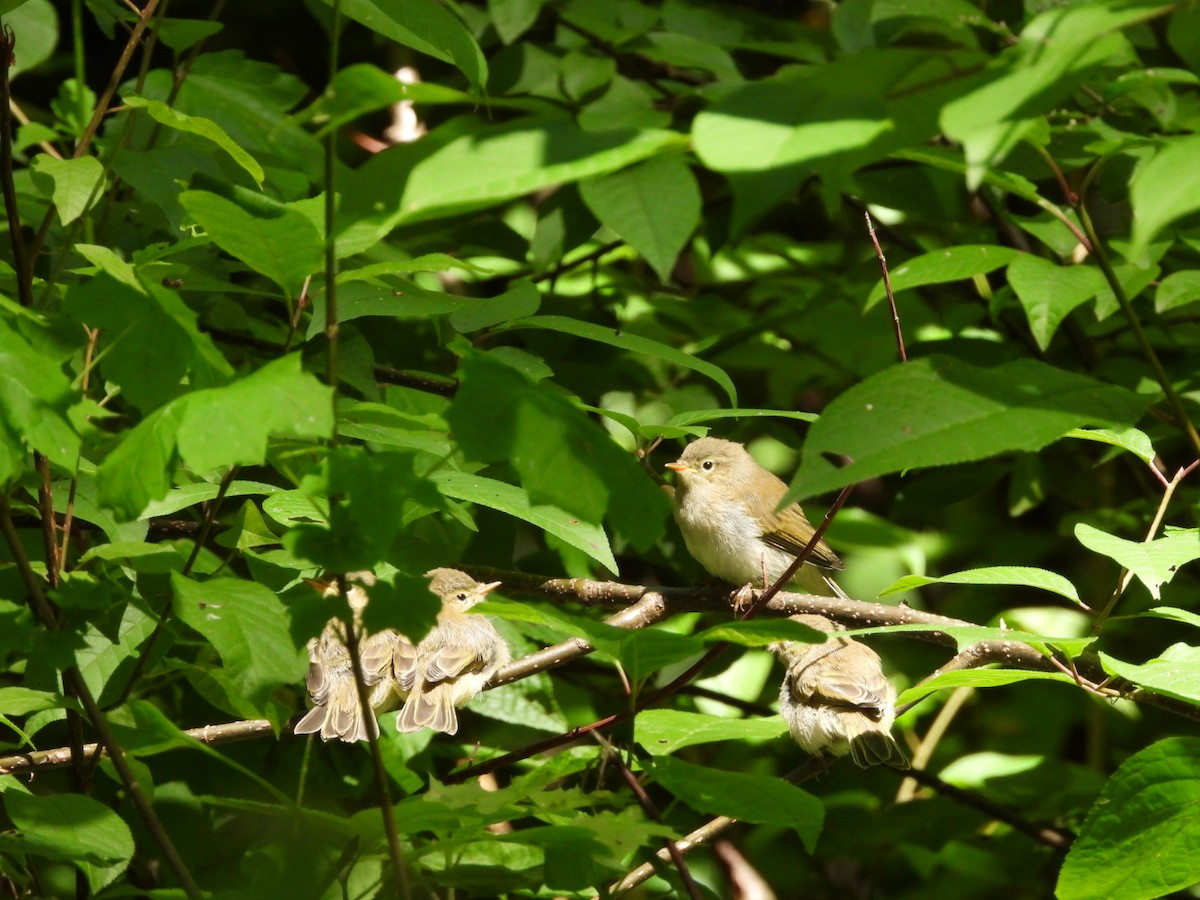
{"type": "Point", "coordinates": [1126, 575]}
{"type": "Point", "coordinates": [16, 234]}
{"type": "Point", "coordinates": [1139, 333]}
{"type": "Point", "coordinates": [887, 286]}
{"type": "Point", "coordinates": [681, 866]}
{"type": "Point", "coordinates": [924, 751]}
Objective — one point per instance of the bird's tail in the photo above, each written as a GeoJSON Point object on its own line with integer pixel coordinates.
{"type": "Point", "coordinates": [431, 708]}
{"type": "Point", "coordinates": [339, 715]}
{"type": "Point", "coordinates": [877, 748]}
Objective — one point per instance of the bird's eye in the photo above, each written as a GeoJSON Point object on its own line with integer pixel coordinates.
{"type": "Point", "coordinates": [707, 465]}
{"type": "Point", "coordinates": [461, 596]}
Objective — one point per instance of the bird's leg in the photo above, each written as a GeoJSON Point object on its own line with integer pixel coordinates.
{"type": "Point", "coordinates": [743, 598]}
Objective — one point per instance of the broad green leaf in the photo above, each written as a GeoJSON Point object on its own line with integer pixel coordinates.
{"type": "Point", "coordinates": [71, 183]}
{"type": "Point", "coordinates": [1153, 562]}
{"type": "Point", "coordinates": [632, 201]}
{"type": "Point", "coordinates": [761, 632]}
{"type": "Point", "coordinates": [386, 426]}
{"type": "Point", "coordinates": [138, 555]}
{"type": "Point", "coordinates": [150, 340]}
{"type": "Point", "coordinates": [1131, 439]}
{"type": "Point", "coordinates": [514, 501]}
{"type": "Point", "coordinates": [977, 678]}
{"type": "Point", "coordinates": [520, 300]}
{"type": "Point", "coordinates": [1049, 292]}
{"type": "Point", "coordinates": [355, 91]}
{"type": "Point", "coordinates": [966, 635]}
{"type": "Point", "coordinates": [1177, 289]}
{"type": "Point", "coordinates": [1177, 615]}
{"type": "Point", "coordinates": [399, 299]}
{"type": "Point", "coordinates": [20, 701]}
{"type": "Point", "coordinates": [1018, 576]}
{"type": "Point", "coordinates": [940, 411]}
{"type": "Point", "coordinates": [751, 798]}
{"type": "Point", "coordinates": [73, 828]}
{"type": "Point", "coordinates": [427, 262]}
{"type": "Point", "coordinates": [512, 160]}
{"type": "Point", "coordinates": [663, 731]}
{"type": "Point", "coordinates": [34, 395]}
{"type": "Point", "coordinates": [1141, 839]}
{"type": "Point", "coordinates": [36, 26]}
{"type": "Point", "coordinates": [197, 125]}
{"type": "Point", "coordinates": [248, 625]}
{"type": "Point", "coordinates": [1176, 673]}
{"type": "Point", "coordinates": [191, 494]}
{"type": "Point", "coordinates": [213, 428]}
{"type": "Point", "coordinates": [285, 248]}
{"type": "Point", "coordinates": [634, 344]}
{"type": "Point", "coordinates": [1165, 189]}
{"type": "Point", "coordinates": [563, 459]}
{"type": "Point", "coordinates": [427, 27]}
{"type": "Point", "coordinates": [941, 266]}
{"type": "Point", "coordinates": [785, 122]}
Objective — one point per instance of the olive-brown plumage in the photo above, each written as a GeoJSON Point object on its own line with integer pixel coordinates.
{"type": "Point", "coordinates": [836, 699]}
{"type": "Point", "coordinates": [451, 664]}
{"type": "Point", "coordinates": [726, 507]}
{"type": "Point", "coordinates": [336, 712]}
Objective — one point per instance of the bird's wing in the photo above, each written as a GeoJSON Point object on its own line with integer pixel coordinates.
{"type": "Point", "coordinates": [451, 662]}
{"type": "Point", "coordinates": [789, 530]}
{"type": "Point", "coordinates": [404, 664]}
{"type": "Point", "coordinates": [817, 685]}
{"type": "Point", "coordinates": [376, 653]}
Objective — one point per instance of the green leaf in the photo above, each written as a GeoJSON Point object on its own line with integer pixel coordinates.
{"type": "Point", "coordinates": [1176, 290]}
{"type": "Point", "coordinates": [1153, 562]}
{"type": "Point", "coordinates": [634, 344]}
{"type": "Point", "coordinates": [213, 428]}
{"type": "Point", "coordinates": [663, 731]}
{"type": "Point", "coordinates": [248, 625]}
{"type": "Point", "coordinates": [512, 160]}
{"type": "Point", "coordinates": [1165, 189]}
{"type": "Point", "coordinates": [21, 701]}
{"type": "Point", "coordinates": [514, 501]}
{"type": "Point", "coordinates": [1049, 292]}
{"type": "Point", "coordinates": [977, 678]}
{"type": "Point", "coordinates": [426, 262]}
{"type": "Point", "coordinates": [697, 416]}
{"type": "Point", "coordinates": [1176, 615]}
{"type": "Point", "coordinates": [1141, 839]}
{"type": "Point", "coordinates": [285, 248]}
{"type": "Point", "coordinates": [73, 828]}
{"type": "Point", "coordinates": [751, 798]}
{"type": "Point", "coordinates": [942, 266]}
{"type": "Point", "coordinates": [1176, 673]}
{"type": "Point", "coordinates": [355, 91]}
{"type": "Point", "coordinates": [71, 183]}
{"type": "Point", "coordinates": [1131, 439]}
{"type": "Point", "coordinates": [787, 121]}
{"type": "Point", "coordinates": [202, 127]}
{"type": "Point", "coordinates": [34, 395]}
{"type": "Point", "coordinates": [1019, 576]}
{"type": "Point", "coordinates": [520, 300]}
{"type": "Point", "coordinates": [427, 27]}
{"type": "Point", "coordinates": [631, 202]}
{"type": "Point", "coordinates": [563, 459]}
{"type": "Point", "coordinates": [761, 632]}
{"type": "Point", "coordinates": [940, 411]}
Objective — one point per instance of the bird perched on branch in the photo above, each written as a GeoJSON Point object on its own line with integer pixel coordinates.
{"type": "Point", "coordinates": [441, 672]}
{"type": "Point", "coordinates": [726, 507]}
{"type": "Point", "coordinates": [451, 664]}
{"type": "Point", "coordinates": [336, 711]}
{"type": "Point", "coordinates": [836, 699]}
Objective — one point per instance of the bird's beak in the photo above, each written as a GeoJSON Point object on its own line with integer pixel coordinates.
{"type": "Point", "coordinates": [317, 585]}
{"type": "Point", "coordinates": [488, 588]}
{"type": "Point", "coordinates": [676, 467]}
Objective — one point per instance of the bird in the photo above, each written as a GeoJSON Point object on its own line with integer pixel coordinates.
{"type": "Point", "coordinates": [836, 699]}
{"type": "Point", "coordinates": [726, 507]}
{"type": "Point", "coordinates": [336, 711]}
{"type": "Point", "coordinates": [450, 665]}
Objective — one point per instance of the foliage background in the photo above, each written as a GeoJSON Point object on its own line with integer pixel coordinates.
{"type": "Point", "coordinates": [246, 339]}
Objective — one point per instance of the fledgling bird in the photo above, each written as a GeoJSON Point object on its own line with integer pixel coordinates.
{"type": "Point", "coordinates": [451, 664]}
{"type": "Point", "coordinates": [836, 699]}
{"type": "Point", "coordinates": [725, 504]}
{"type": "Point", "coordinates": [336, 712]}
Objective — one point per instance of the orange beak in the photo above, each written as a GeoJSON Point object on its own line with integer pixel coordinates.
{"type": "Point", "coordinates": [676, 467]}
{"type": "Point", "coordinates": [319, 586]}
